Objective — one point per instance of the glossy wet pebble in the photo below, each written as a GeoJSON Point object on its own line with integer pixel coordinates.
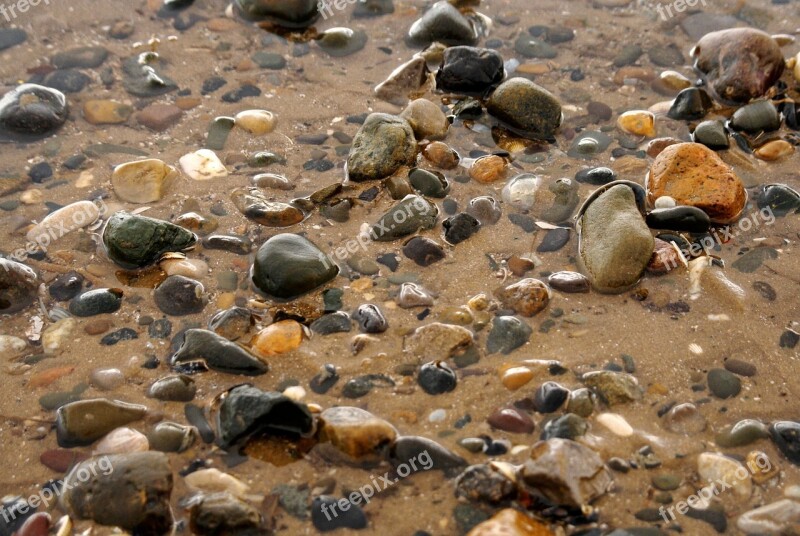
{"type": "Point", "coordinates": [690, 104]}
{"type": "Point", "coordinates": [176, 388]}
{"type": "Point", "coordinates": [370, 319]}
{"type": "Point", "coordinates": [216, 353]}
{"type": "Point", "coordinates": [179, 296]}
{"type": "Point", "coordinates": [31, 111]}
{"type": "Point", "coordinates": [412, 214]}
{"type": "Point", "coordinates": [436, 378]}
{"type": "Point", "coordinates": [429, 122]}
{"type": "Point", "coordinates": [83, 422]}
{"type": "Point", "coordinates": [96, 302]}
{"type": "Point", "coordinates": [248, 411]}
{"type": "Point", "coordinates": [66, 286]}
{"type": "Point", "coordinates": [511, 420]}
{"type": "Point", "coordinates": [460, 227]}
{"type": "Point", "coordinates": [442, 23]}
{"type": "Point", "coordinates": [469, 70]}
{"type": "Point", "coordinates": [570, 282]}
{"type": "Point", "coordinates": [759, 116]}
{"type": "Point", "coordinates": [597, 176]}
{"type": "Point", "coordinates": [292, 14]}
{"type": "Point", "coordinates": [779, 198]}
{"type": "Point", "coordinates": [743, 433]}
{"type": "Point", "coordinates": [681, 218]}
{"type": "Point", "coordinates": [507, 334]}
{"type": "Point", "coordinates": [134, 241]}
{"type": "Point", "coordinates": [351, 516]}
{"type": "Point", "coordinates": [143, 181]}
{"type": "Point", "coordinates": [289, 265]}
{"type": "Point", "coordinates": [712, 134]}
{"type": "Point", "coordinates": [340, 42]}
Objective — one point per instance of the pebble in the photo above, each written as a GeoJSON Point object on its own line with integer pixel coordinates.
{"type": "Point", "coordinates": [756, 117]}
{"type": "Point", "coordinates": [775, 150]}
{"type": "Point", "coordinates": [159, 117]}
{"type": "Point", "coordinates": [442, 23]}
{"type": "Point", "coordinates": [143, 181]}
{"type": "Point", "coordinates": [107, 379]}
{"type": "Point", "coordinates": [549, 397]}
{"type": "Point", "coordinates": [223, 513]}
{"type": "Point", "coordinates": [723, 384]}
{"type": "Point", "coordinates": [570, 282]}
{"type": "Point", "coordinates": [130, 490]}
{"type": "Point", "coordinates": [436, 378]}
{"type": "Point", "coordinates": [82, 423]}
{"type": "Point", "coordinates": [340, 42]}
{"type": "Point", "coordinates": [485, 209]}
{"type": "Point", "coordinates": [511, 522]}
{"type": "Point", "coordinates": [248, 411]}
{"type": "Point", "coordinates": [685, 419]}
{"type": "Point", "coordinates": [19, 286]}
{"type": "Point", "coordinates": [405, 79]}
{"type": "Point", "coordinates": [637, 122]}
{"type": "Point", "coordinates": [56, 335]}
{"type": "Point", "coordinates": [289, 265]}
{"type": "Point", "coordinates": [615, 244]}
{"type": "Point", "coordinates": [11, 346]}
{"type": "Point", "coordinates": [336, 322]}
{"type": "Point", "coordinates": [412, 214]}
{"type": "Point", "coordinates": [511, 420]}
{"type": "Point", "coordinates": [616, 424]}
{"type": "Point", "coordinates": [694, 175]}
{"type": "Point", "coordinates": [469, 70]}
{"type": "Point", "coordinates": [460, 227]}
{"type": "Point", "coordinates": [370, 319]}
{"type": "Point", "coordinates": [216, 353]}
{"type": "Point", "coordinates": [256, 122]}
{"type": "Point", "coordinates": [11, 37]}
{"type": "Point", "coordinates": [203, 165]}
{"type": "Point", "coordinates": [429, 183]}
{"type": "Point", "coordinates": [174, 388]}
{"type": "Point", "coordinates": [786, 436]}
{"type": "Point", "coordinates": [63, 221]}
{"type": "Point", "coordinates": [679, 218]}
{"type": "Point", "coordinates": [179, 296]}
{"type": "Point", "coordinates": [30, 112]}
{"type": "Point", "coordinates": [122, 440]}
{"type": "Point", "coordinates": [507, 334]}
{"type": "Point", "coordinates": [526, 106]}
{"type": "Point", "coordinates": [350, 515]}
{"type": "Point", "coordinates": [691, 104]}
{"type": "Point", "coordinates": [773, 518]}
{"type": "Point", "coordinates": [300, 14]}
{"type": "Point", "coordinates": [575, 473]}
{"type": "Point", "coordinates": [779, 198]}
{"type": "Point", "coordinates": [381, 146]}
{"type": "Point", "coordinates": [134, 241]}
{"type": "Point", "coordinates": [413, 295]}
{"type": "Point", "coordinates": [489, 169]}
{"type": "Point", "coordinates": [106, 112]}
{"type": "Point", "coordinates": [527, 297]}
{"type": "Point", "coordinates": [355, 433]}
{"type": "Point", "coordinates": [712, 134]}
{"type": "Point", "coordinates": [278, 338]}
{"type": "Point", "coordinates": [740, 64]}
{"type": "Point", "coordinates": [96, 302]}
{"type": "Point", "coordinates": [743, 433]}
{"type": "Point", "coordinates": [439, 339]}
{"type": "Point", "coordinates": [257, 207]}
{"type": "Point", "coordinates": [613, 388]}
{"type": "Point", "coordinates": [713, 467]}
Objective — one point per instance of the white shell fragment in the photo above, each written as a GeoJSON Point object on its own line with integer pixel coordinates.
{"type": "Point", "coordinates": [203, 165]}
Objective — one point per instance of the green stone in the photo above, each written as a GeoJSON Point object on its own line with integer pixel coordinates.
{"type": "Point", "coordinates": [136, 241]}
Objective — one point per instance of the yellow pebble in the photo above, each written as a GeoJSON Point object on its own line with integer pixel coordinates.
{"type": "Point", "coordinates": [638, 122]}
{"type": "Point", "coordinates": [774, 150]}
{"type": "Point", "coordinates": [489, 169]}
{"type": "Point", "coordinates": [256, 122]}
{"type": "Point", "coordinates": [675, 80]}
{"type": "Point", "coordinates": [278, 338]}
{"type": "Point", "coordinates": [516, 377]}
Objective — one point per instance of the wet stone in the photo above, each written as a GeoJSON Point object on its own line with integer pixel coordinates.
{"type": "Point", "coordinates": [289, 265]}
{"type": "Point", "coordinates": [742, 368]}
{"type": "Point", "coordinates": [134, 241]}
{"type": "Point", "coordinates": [216, 353]}
{"type": "Point", "coordinates": [171, 437]}
{"type": "Point", "coordinates": [269, 60]}
{"type": "Point", "coordinates": [66, 286]}
{"type": "Point", "coordinates": [423, 251]}
{"type": "Point", "coordinates": [124, 334]}
{"type": "Point", "coordinates": [511, 420]}
{"type": "Point", "coordinates": [613, 387]}
{"type": "Point", "coordinates": [780, 198]}
{"type": "Point", "coordinates": [429, 183]}
{"type": "Point", "coordinates": [570, 282]}
{"type": "Point", "coordinates": [680, 218]}
{"type": "Point", "coordinates": [81, 58]}
{"type": "Point", "coordinates": [254, 205]}
{"type": "Point", "coordinates": [410, 215]}
{"type": "Point", "coordinates": [84, 422]}
{"type": "Point", "coordinates": [96, 302]}
{"type": "Point", "coordinates": [382, 145]}
{"type": "Point", "coordinates": [31, 112]}
{"type": "Point", "coordinates": [685, 419]}
{"type": "Point", "coordinates": [460, 227]}
{"type": "Point", "coordinates": [549, 397]}
{"type": "Point", "coordinates": [723, 384]}
{"type": "Point", "coordinates": [569, 426]}
{"type": "Point", "coordinates": [436, 378]}
{"type": "Point", "coordinates": [485, 209]}
{"type": "Point", "coordinates": [160, 329]}
{"type": "Point", "coordinates": [66, 81]}
{"type": "Point", "coordinates": [442, 23]}
{"type": "Point", "coordinates": [469, 70]}
{"type": "Point", "coordinates": [529, 47]}
{"type": "Point", "coordinates": [356, 433]}
{"type": "Point", "coordinates": [338, 322]}
{"type": "Point", "coordinates": [507, 334]}
{"type": "Point", "coordinates": [131, 491]}
{"type": "Point", "coordinates": [144, 78]}
{"type": "Point", "coordinates": [526, 106]}
{"type": "Point", "coordinates": [712, 134]}
{"type": "Point", "coordinates": [370, 319]}
{"type": "Point", "coordinates": [743, 433]}
{"type": "Point", "coordinates": [789, 339]}
{"type": "Point", "coordinates": [690, 104]}
{"type": "Point", "coordinates": [247, 411]}
{"type": "Point", "coordinates": [11, 37]}
{"type": "Point", "coordinates": [554, 240]}
{"type": "Point", "coordinates": [340, 42]}
{"type": "Point", "coordinates": [231, 244]}
{"type": "Point", "coordinates": [526, 297]}
{"type": "Point", "coordinates": [351, 516]}
{"type": "Point", "coordinates": [179, 296]}
{"type": "Point", "coordinates": [175, 388]}
{"type": "Point", "coordinates": [293, 14]}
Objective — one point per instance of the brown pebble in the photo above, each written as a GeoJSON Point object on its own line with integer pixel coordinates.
{"type": "Point", "coordinates": [47, 377]}
{"type": "Point", "coordinates": [657, 145]}
{"type": "Point", "coordinates": [159, 117]}
{"type": "Point", "coordinates": [511, 420]}
{"type": "Point", "coordinates": [60, 460]}
{"type": "Point", "coordinates": [96, 327]}
{"type": "Point", "coordinates": [187, 103]}
{"type": "Point", "coordinates": [742, 368]}
{"type": "Point", "coordinates": [520, 266]}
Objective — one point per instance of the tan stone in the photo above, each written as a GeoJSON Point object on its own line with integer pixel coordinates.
{"type": "Point", "coordinates": [106, 112]}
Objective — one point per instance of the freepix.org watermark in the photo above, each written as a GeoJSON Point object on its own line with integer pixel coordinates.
{"type": "Point", "coordinates": [665, 10]}
{"type": "Point", "coordinates": [85, 471]}
{"type": "Point", "coordinates": [760, 464]}
{"type": "Point", "coordinates": [366, 492]}
{"type": "Point", "coordinates": [11, 11]}
{"type": "Point", "coordinates": [326, 7]}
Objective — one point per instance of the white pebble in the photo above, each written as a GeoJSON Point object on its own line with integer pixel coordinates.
{"type": "Point", "coordinates": [65, 220]}
{"type": "Point", "coordinates": [203, 165]}
{"type": "Point", "coordinates": [10, 345]}
{"type": "Point", "coordinates": [437, 415]}
{"type": "Point", "coordinates": [616, 424]}
{"type": "Point", "coordinates": [665, 201]}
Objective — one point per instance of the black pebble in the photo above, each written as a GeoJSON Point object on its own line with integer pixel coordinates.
{"type": "Point", "coordinates": [370, 319]}
{"type": "Point", "coordinates": [549, 397]}
{"type": "Point", "coordinates": [40, 172]}
{"type": "Point", "coordinates": [327, 514]}
{"type": "Point", "coordinates": [436, 378]}
{"type": "Point", "coordinates": [160, 329]}
{"type": "Point", "coordinates": [124, 334]}
{"type": "Point", "coordinates": [554, 240]}
{"type": "Point", "coordinates": [66, 286]}
{"type": "Point", "coordinates": [460, 227]}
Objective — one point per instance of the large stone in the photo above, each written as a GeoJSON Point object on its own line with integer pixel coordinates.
{"type": "Point", "coordinates": [714, 467]}
{"type": "Point", "coordinates": [615, 244]}
{"type": "Point", "coordinates": [427, 120]}
{"type": "Point", "coordinates": [289, 265]}
{"type": "Point", "coordinates": [470, 70]}
{"type": "Point", "coordinates": [566, 473]}
{"type": "Point", "coordinates": [694, 175]}
{"type": "Point", "coordinates": [247, 411]}
{"type": "Point", "coordinates": [85, 421]}
{"type": "Point", "coordinates": [526, 107]}
{"type": "Point", "coordinates": [134, 241]}
{"type": "Point", "coordinates": [740, 64]}
{"type": "Point", "coordinates": [412, 214]}
{"type": "Point", "coordinates": [131, 491]}
{"type": "Point", "coordinates": [382, 145]}
{"type": "Point", "coordinates": [30, 112]}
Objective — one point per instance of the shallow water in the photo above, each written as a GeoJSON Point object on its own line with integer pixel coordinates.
{"type": "Point", "coordinates": [673, 345]}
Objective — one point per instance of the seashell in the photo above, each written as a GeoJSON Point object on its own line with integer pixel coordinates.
{"type": "Point", "coordinates": [122, 441]}
{"type": "Point", "coordinates": [489, 169]}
